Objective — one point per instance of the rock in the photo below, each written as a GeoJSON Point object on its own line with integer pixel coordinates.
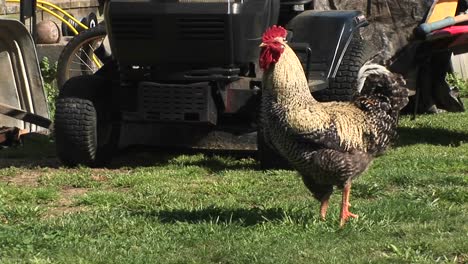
{"type": "Point", "coordinates": [390, 31]}
{"type": "Point", "coordinates": [48, 32]}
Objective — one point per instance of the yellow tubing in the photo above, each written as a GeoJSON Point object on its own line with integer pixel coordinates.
{"type": "Point", "coordinates": [95, 59]}
{"type": "Point", "coordinates": [56, 7]}
{"type": "Point", "coordinates": [63, 12]}
{"type": "Point", "coordinates": [60, 18]}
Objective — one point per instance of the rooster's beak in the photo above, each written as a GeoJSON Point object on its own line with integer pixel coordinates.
{"type": "Point", "coordinates": [262, 45]}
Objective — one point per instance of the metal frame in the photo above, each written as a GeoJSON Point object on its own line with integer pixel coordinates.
{"type": "Point", "coordinates": [28, 11]}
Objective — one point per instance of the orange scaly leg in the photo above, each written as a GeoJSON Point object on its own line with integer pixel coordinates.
{"type": "Point", "coordinates": [324, 206]}
{"type": "Point", "coordinates": [345, 213]}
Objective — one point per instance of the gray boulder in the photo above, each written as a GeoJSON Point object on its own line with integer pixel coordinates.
{"type": "Point", "coordinates": [391, 33]}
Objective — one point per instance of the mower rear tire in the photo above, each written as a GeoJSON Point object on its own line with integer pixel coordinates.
{"type": "Point", "coordinates": [344, 86]}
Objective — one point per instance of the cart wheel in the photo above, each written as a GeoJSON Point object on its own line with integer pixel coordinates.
{"type": "Point", "coordinates": [344, 86]}
{"type": "Point", "coordinates": [84, 132]}
{"type": "Point", "coordinates": [78, 56]}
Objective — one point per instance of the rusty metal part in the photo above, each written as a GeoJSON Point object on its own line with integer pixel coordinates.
{"type": "Point", "coordinates": [11, 135]}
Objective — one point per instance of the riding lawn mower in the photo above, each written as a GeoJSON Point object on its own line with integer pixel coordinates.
{"type": "Point", "coordinates": [184, 73]}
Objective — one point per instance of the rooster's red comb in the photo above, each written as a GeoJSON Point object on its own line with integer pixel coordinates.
{"type": "Point", "coordinates": [274, 32]}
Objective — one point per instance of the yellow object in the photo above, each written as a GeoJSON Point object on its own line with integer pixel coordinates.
{"type": "Point", "coordinates": [441, 9]}
{"type": "Point", "coordinates": [60, 10]}
{"type": "Point", "coordinates": [60, 18]}
{"type": "Point", "coordinates": [63, 12]}
{"type": "Point", "coordinates": [40, 4]}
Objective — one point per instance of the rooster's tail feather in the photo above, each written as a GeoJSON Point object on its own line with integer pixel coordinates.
{"type": "Point", "coordinates": [376, 81]}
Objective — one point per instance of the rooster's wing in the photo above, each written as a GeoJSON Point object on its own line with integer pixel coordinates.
{"type": "Point", "coordinates": [336, 126]}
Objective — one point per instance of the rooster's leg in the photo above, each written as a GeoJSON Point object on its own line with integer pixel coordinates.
{"type": "Point", "coordinates": [324, 206]}
{"type": "Point", "coordinates": [345, 213]}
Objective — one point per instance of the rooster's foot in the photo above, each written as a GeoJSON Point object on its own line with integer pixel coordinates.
{"type": "Point", "coordinates": [344, 217]}
{"type": "Point", "coordinates": [345, 204]}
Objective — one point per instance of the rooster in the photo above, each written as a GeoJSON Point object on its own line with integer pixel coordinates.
{"type": "Point", "coordinates": [329, 144]}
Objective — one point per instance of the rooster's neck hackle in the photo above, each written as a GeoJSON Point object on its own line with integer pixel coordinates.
{"type": "Point", "coordinates": [286, 85]}
{"type": "Point", "coordinates": [288, 80]}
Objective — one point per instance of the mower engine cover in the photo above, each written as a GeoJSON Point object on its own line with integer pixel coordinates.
{"type": "Point", "coordinates": [191, 34]}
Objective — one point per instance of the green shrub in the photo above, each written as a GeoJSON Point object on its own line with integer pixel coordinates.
{"type": "Point", "coordinates": [455, 80]}
{"type": "Point", "coordinates": [49, 71]}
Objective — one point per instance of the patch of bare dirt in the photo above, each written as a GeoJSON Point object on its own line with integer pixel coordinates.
{"type": "Point", "coordinates": [461, 258]}
{"type": "Point", "coordinates": [99, 178]}
{"type": "Point", "coordinates": [63, 210]}
{"type": "Point", "coordinates": [66, 195]}
{"type": "Point", "coordinates": [64, 205]}
{"type": "Point", "coordinates": [25, 178]}
{"type": "Point", "coordinates": [100, 175]}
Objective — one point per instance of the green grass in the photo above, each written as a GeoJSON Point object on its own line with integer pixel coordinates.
{"type": "Point", "coordinates": [175, 208]}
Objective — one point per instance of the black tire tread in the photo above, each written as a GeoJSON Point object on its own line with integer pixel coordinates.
{"type": "Point", "coordinates": [75, 125]}
{"type": "Point", "coordinates": [343, 88]}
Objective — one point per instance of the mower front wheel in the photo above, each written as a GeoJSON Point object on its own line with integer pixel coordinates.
{"type": "Point", "coordinates": [83, 127]}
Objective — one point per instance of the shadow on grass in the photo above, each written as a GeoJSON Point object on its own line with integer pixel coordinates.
{"type": "Point", "coordinates": [243, 217]}
{"type": "Point", "coordinates": [39, 151]}
{"type": "Point", "coordinates": [212, 160]}
{"type": "Point", "coordinates": [27, 163]}
{"type": "Point", "coordinates": [36, 150]}
{"type": "Point", "coordinates": [427, 135]}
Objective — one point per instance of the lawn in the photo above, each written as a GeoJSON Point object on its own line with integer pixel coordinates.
{"type": "Point", "coordinates": [149, 207]}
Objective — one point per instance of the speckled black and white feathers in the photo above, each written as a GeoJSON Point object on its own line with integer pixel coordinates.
{"type": "Point", "coordinates": [328, 143]}
{"type": "Point", "coordinates": [382, 98]}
